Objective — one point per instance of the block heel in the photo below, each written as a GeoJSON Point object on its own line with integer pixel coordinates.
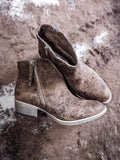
{"type": "Point", "coordinates": [26, 109]}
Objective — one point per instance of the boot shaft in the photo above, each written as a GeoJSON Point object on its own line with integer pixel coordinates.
{"type": "Point", "coordinates": [57, 42]}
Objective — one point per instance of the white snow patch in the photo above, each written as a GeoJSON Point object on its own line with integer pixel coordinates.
{"type": "Point", "coordinates": [43, 2]}
{"type": "Point", "coordinates": [6, 105]}
{"type": "Point", "coordinates": [17, 7]}
{"type": "Point", "coordinates": [99, 39]}
{"type": "Point", "coordinates": [7, 90]}
{"type": "Point", "coordinates": [7, 102]}
{"type": "Point", "coordinates": [82, 51]}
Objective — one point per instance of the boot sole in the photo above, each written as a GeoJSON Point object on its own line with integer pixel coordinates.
{"type": "Point", "coordinates": [31, 110]}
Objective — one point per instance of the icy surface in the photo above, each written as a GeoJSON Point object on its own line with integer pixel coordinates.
{"type": "Point", "coordinates": [82, 51]}
{"type": "Point", "coordinates": [15, 8]}
{"type": "Point", "coordinates": [99, 39]}
{"type": "Point", "coordinates": [43, 2]}
{"type": "Point", "coordinates": [6, 105]}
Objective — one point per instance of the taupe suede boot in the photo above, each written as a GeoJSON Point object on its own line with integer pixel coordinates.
{"type": "Point", "coordinates": [43, 88]}
{"type": "Point", "coordinates": [80, 79]}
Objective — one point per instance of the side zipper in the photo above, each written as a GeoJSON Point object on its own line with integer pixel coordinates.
{"type": "Point", "coordinates": [32, 63]}
{"type": "Point", "coordinates": [41, 95]}
{"type": "Point", "coordinates": [34, 74]}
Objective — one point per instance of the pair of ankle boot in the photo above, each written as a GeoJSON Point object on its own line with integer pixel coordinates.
{"type": "Point", "coordinates": [58, 84]}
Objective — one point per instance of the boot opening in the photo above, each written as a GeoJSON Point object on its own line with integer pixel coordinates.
{"type": "Point", "coordinates": [59, 44]}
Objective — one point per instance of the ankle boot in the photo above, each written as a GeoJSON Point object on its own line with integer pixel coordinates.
{"type": "Point", "coordinates": [43, 88]}
{"type": "Point", "coordinates": [80, 79]}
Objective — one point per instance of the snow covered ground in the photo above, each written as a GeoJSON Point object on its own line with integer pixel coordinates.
{"type": "Point", "coordinates": [6, 105]}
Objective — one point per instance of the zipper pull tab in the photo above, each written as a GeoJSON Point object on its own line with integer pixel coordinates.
{"type": "Point", "coordinates": [32, 62]}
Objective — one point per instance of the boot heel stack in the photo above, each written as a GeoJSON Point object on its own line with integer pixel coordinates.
{"type": "Point", "coordinates": [26, 109]}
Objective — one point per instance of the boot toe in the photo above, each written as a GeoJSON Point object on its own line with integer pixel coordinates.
{"type": "Point", "coordinates": [88, 110]}
{"type": "Point", "coordinates": [108, 96]}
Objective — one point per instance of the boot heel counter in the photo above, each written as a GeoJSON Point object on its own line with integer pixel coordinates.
{"type": "Point", "coordinates": [25, 88]}
{"type": "Point", "coordinates": [23, 75]}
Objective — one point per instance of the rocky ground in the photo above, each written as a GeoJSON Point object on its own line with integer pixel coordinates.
{"type": "Point", "coordinates": [93, 27]}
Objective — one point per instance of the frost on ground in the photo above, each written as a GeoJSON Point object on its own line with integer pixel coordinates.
{"type": "Point", "coordinates": [15, 8]}
{"type": "Point", "coordinates": [99, 39]}
{"type": "Point", "coordinates": [43, 2]}
{"type": "Point", "coordinates": [6, 106]}
{"type": "Point", "coordinates": [82, 51]}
